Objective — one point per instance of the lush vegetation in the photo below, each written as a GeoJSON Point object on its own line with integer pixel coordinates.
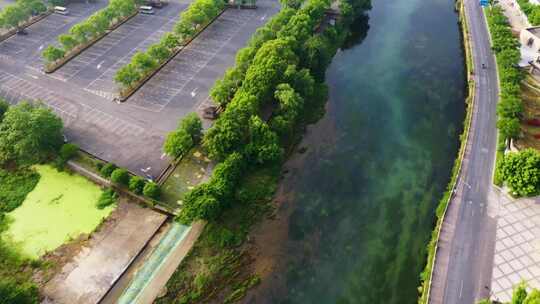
{"type": "Point", "coordinates": [519, 296]}
{"type": "Point", "coordinates": [521, 172]}
{"type": "Point", "coordinates": [21, 11]}
{"type": "Point", "coordinates": [107, 198]}
{"type": "Point", "coordinates": [532, 11]}
{"type": "Point", "coordinates": [282, 67]}
{"type": "Point", "coordinates": [191, 21]}
{"type": "Point", "coordinates": [181, 140]}
{"type": "Point", "coordinates": [277, 75]}
{"type": "Point", "coordinates": [95, 26]}
{"type": "Point", "coordinates": [14, 186]}
{"type": "Point", "coordinates": [29, 134]}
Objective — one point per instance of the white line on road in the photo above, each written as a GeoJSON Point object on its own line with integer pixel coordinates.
{"type": "Point", "coordinates": [461, 289]}
{"type": "Point", "coordinates": [99, 64]}
{"type": "Point", "coordinates": [263, 17]}
{"type": "Point", "coordinates": [41, 47]}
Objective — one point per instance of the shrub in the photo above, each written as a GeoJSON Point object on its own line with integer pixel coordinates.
{"type": "Point", "coordinates": [68, 151]}
{"type": "Point", "coordinates": [152, 190]}
{"type": "Point", "coordinates": [521, 171]}
{"type": "Point", "coordinates": [120, 176]}
{"type": "Point", "coordinates": [177, 143]}
{"type": "Point", "coordinates": [136, 184]}
{"type": "Point", "coordinates": [193, 126]}
{"type": "Point", "coordinates": [107, 170]}
{"type": "Point", "coordinates": [3, 108]}
{"type": "Point", "coordinates": [107, 198]}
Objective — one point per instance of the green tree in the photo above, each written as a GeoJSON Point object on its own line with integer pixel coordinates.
{"type": "Point", "coordinates": [136, 185]}
{"type": "Point", "coordinates": [193, 126]}
{"type": "Point", "coordinates": [127, 75]}
{"type": "Point", "coordinates": [159, 52]}
{"type": "Point", "coordinates": [152, 190]}
{"type": "Point", "coordinates": [67, 41]}
{"type": "Point", "coordinates": [29, 134]}
{"type": "Point", "coordinates": [120, 176]}
{"type": "Point", "coordinates": [17, 293]}
{"type": "Point", "coordinates": [13, 15]}
{"type": "Point", "coordinates": [143, 63]}
{"type": "Point", "coordinates": [509, 127]}
{"type": "Point", "coordinates": [177, 143]}
{"type": "Point", "coordinates": [52, 53]}
{"type": "Point", "coordinates": [521, 171]}
{"type": "Point", "coordinates": [263, 145]}
{"type": "Point", "coordinates": [107, 170]}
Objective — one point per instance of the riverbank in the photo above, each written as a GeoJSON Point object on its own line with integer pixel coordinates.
{"type": "Point", "coordinates": [426, 275]}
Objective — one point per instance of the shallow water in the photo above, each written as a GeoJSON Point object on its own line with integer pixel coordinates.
{"type": "Point", "coordinates": [365, 204]}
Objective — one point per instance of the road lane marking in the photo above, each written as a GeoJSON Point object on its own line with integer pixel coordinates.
{"type": "Point", "coordinates": [461, 289]}
{"type": "Point", "coordinates": [99, 64]}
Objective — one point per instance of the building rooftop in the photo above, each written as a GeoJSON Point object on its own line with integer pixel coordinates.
{"type": "Point", "coordinates": [534, 30]}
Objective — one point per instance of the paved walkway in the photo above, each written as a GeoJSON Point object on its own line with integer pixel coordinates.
{"type": "Point", "coordinates": [517, 248]}
{"type": "Point", "coordinates": [518, 20]}
{"type": "Point", "coordinates": [111, 250]}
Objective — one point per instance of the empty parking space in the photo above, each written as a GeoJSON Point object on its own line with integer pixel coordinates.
{"type": "Point", "coordinates": [27, 48]}
{"type": "Point", "coordinates": [87, 68]}
{"type": "Point", "coordinates": [104, 85]}
{"type": "Point", "coordinates": [170, 82]}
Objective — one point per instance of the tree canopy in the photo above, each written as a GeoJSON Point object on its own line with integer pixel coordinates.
{"type": "Point", "coordinates": [29, 134]}
{"type": "Point", "coordinates": [521, 172]}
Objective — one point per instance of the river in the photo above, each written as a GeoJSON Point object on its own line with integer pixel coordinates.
{"type": "Point", "coordinates": [363, 198]}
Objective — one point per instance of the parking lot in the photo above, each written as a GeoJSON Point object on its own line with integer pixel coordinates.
{"type": "Point", "coordinates": [111, 52]}
{"type": "Point", "coordinates": [129, 134]}
{"type": "Point", "coordinates": [171, 83]}
{"type": "Point", "coordinates": [27, 48]}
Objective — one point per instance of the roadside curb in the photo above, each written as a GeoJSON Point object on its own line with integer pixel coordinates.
{"type": "Point", "coordinates": [32, 21]}
{"type": "Point", "coordinates": [122, 97]}
{"type": "Point", "coordinates": [90, 43]}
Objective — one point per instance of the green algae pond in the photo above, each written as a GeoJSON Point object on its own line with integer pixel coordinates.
{"type": "Point", "coordinates": [61, 207]}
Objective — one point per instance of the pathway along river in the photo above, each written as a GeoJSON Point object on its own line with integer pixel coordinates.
{"type": "Point", "coordinates": [360, 203]}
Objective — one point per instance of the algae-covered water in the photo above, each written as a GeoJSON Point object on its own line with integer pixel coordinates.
{"type": "Point", "coordinates": [364, 204]}
{"type": "Point", "coordinates": [61, 206]}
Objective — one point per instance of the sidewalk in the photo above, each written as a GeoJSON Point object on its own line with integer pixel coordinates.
{"type": "Point", "coordinates": [518, 20]}
{"type": "Point", "coordinates": [517, 248]}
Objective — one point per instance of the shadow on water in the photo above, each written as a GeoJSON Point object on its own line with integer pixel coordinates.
{"type": "Point", "coordinates": [364, 201]}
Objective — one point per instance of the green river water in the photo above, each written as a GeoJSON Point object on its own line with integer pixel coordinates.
{"type": "Point", "coordinates": [365, 199]}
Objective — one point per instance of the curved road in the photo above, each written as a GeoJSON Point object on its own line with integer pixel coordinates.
{"type": "Point", "coordinates": [464, 261]}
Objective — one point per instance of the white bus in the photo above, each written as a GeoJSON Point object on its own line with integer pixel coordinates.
{"type": "Point", "coordinates": [61, 10]}
{"type": "Point", "coordinates": [146, 9]}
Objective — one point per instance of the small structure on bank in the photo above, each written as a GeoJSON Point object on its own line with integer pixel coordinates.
{"type": "Point", "coordinates": [530, 47]}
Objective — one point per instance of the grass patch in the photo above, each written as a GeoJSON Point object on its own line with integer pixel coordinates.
{"type": "Point", "coordinates": [60, 208]}
{"type": "Point", "coordinates": [14, 186]}
{"type": "Point", "coordinates": [189, 172]}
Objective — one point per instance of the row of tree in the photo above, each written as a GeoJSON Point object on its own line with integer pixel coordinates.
{"type": "Point", "coordinates": [135, 184]}
{"type": "Point", "coordinates": [282, 69]}
{"type": "Point", "coordinates": [196, 16]}
{"type": "Point", "coordinates": [12, 16]}
{"type": "Point", "coordinates": [510, 106]}
{"type": "Point", "coordinates": [96, 25]}
{"type": "Point", "coordinates": [532, 11]}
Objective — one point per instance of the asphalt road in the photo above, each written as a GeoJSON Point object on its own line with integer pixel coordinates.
{"type": "Point", "coordinates": [463, 274]}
